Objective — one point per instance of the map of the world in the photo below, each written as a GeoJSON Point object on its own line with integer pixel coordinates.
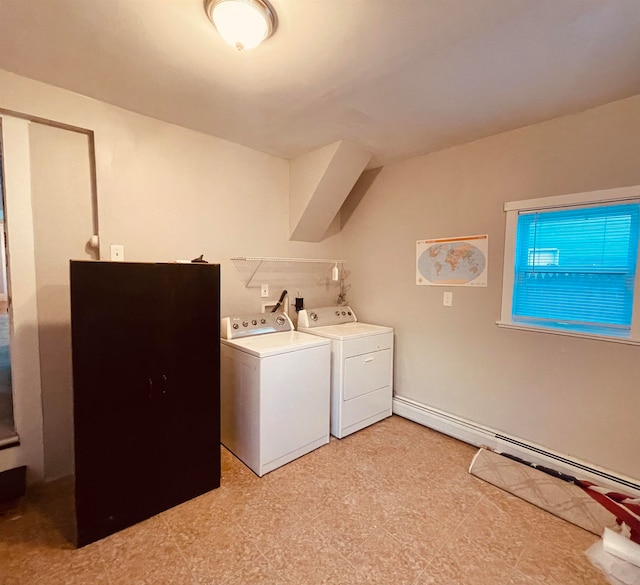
{"type": "Point", "coordinates": [452, 261]}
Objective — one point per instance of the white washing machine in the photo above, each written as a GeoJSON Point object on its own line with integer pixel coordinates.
{"type": "Point", "coordinates": [274, 390]}
{"type": "Point", "coordinates": [361, 367]}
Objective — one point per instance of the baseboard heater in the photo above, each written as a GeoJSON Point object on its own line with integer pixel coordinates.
{"type": "Point", "coordinates": [479, 435]}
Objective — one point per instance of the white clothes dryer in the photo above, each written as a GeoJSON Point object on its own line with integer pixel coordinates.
{"type": "Point", "coordinates": [361, 367]}
{"type": "Point", "coordinates": [274, 390]}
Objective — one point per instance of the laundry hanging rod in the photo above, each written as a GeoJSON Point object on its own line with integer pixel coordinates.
{"type": "Point", "coordinates": [275, 269]}
{"type": "Point", "coordinates": [277, 259]}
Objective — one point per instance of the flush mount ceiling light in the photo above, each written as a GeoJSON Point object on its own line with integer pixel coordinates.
{"type": "Point", "coordinates": [244, 24]}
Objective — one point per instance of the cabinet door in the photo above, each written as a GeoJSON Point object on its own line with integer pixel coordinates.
{"type": "Point", "coordinates": [146, 389]}
{"type": "Point", "coordinates": [190, 372]}
{"type": "Point", "coordinates": [114, 333]}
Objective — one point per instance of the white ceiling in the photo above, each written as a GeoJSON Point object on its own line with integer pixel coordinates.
{"type": "Point", "coordinates": [396, 77]}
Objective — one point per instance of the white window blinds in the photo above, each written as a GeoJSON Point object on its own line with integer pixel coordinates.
{"type": "Point", "coordinates": [575, 268]}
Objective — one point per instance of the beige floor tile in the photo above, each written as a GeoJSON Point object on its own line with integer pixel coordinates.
{"type": "Point", "coordinates": [234, 472]}
{"type": "Point", "coordinates": [219, 507]}
{"type": "Point", "coordinates": [306, 498]}
{"type": "Point", "coordinates": [306, 557]}
{"type": "Point", "coordinates": [257, 572]}
{"type": "Point", "coordinates": [29, 543]}
{"type": "Point", "coordinates": [145, 554]}
{"type": "Point", "coordinates": [348, 521]}
{"type": "Point", "coordinates": [419, 530]}
{"type": "Point", "coordinates": [501, 534]}
{"type": "Point", "coordinates": [266, 521]}
{"type": "Point", "coordinates": [451, 499]}
{"type": "Point", "coordinates": [518, 578]}
{"type": "Point", "coordinates": [212, 543]}
{"type": "Point", "coordinates": [390, 504]}
{"type": "Point", "coordinates": [23, 533]}
{"type": "Point", "coordinates": [558, 561]}
{"type": "Point", "coordinates": [382, 559]}
{"type": "Point", "coordinates": [335, 460]}
{"type": "Point", "coordinates": [459, 449]}
{"type": "Point", "coordinates": [462, 561]}
{"type": "Point", "coordinates": [55, 566]}
{"type": "Point", "coordinates": [223, 556]}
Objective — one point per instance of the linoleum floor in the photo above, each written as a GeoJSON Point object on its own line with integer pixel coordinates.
{"type": "Point", "coordinates": [392, 504]}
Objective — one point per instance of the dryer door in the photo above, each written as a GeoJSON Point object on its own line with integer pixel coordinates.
{"type": "Point", "coordinates": [366, 373]}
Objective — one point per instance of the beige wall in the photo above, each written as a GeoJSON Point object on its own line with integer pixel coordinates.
{"type": "Point", "coordinates": [575, 396]}
{"type": "Point", "coordinates": [25, 379]}
{"type": "Point", "coordinates": [62, 219]}
{"type": "Point", "coordinates": [168, 193]}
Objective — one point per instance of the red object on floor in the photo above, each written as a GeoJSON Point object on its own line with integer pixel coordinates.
{"type": "Point", "coordinates": [625, 508]}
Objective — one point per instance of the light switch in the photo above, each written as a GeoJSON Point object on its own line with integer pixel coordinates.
{"type": "Point", "coordinates": [447, 299]}
{"type": "Point", "coordinates": [264, 291]}
{"type": "Point", "coordinates": [117, 252]}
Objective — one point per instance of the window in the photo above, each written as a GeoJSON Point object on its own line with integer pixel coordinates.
{"type": "Point", "coordinates": [570, 264]}
{"type": "Point", "coordinates": [542, 256]}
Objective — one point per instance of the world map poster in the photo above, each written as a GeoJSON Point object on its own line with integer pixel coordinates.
{"type": "Point", "coordinates": [452, 261]}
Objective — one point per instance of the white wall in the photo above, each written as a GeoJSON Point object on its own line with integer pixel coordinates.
{"type": "Point", "coordinates": [575, 396]}
{"type": "Point", "coordinates": [169, 193]}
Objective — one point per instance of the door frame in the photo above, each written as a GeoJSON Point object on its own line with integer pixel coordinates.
{"type": "Point", "coordinates": [21, 270]}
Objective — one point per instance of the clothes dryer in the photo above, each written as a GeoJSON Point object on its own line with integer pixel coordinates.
{"type": "Point", "coordinates": [361, 366]}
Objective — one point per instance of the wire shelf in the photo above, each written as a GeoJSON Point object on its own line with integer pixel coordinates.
{"type": "Point", "coordinates": [257, 270]}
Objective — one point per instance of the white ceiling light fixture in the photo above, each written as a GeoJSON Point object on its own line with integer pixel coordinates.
{"type": "Point", "coordinates": [244, 24]}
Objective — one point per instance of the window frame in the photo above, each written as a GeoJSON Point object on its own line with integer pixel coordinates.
{"type": "Point", "coordinates": [513, 209]}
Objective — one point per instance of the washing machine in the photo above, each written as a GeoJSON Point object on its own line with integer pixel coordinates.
{"type": "Point", "coordinates": [274, 390]}
{"type": "Point", "coordinates": [361, 366]}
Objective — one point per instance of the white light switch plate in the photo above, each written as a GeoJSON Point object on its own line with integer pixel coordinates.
{"type": "Point", "coordinates": [447, 299]}
{"type": "Point", "coordinates": [264, 291]}
{"type": "Point", "coordinates": [117, 252]}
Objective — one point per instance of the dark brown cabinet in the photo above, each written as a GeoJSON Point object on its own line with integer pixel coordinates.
{"type": "Point", "coordinates": [146, 389]}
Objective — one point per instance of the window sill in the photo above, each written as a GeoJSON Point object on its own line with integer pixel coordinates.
{"type": "Point", "coordinates": [624, 340]}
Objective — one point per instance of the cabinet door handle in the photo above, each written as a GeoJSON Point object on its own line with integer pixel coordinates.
{"type": "Point", "coordinates": [150, 394]}
{"type": "Point", "coordinates": [164, 383]}
{"type": "Point", "coordinates": [368, 359]}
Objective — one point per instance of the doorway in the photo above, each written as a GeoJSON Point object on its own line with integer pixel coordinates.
{"type": "Point", "coordinates": [7, 425]}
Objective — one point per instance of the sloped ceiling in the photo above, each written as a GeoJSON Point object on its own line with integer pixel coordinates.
{"type": "Point", "coordinates": [394, 77]}
{"type": "Point", "coordinates": [319, 183]}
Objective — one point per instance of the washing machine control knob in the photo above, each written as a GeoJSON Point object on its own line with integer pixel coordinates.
{"type": "Point", "coordinates": [344, 313]}
{"type": "Point", "coordinates": [313, 316]}
{"type": "Point", "coordinates": [245, 324]}
{"type": "Point", "coordinates": [349, 313]}
{"type": "Point", "coordinates": [280, 320]}
{"type": "Point", "coordinates": [263, 321]}
{"type": "Point", "coordinates": [337, 313]}
{"type": "Point", "coordinates": [235, 325]}
{"type": "Point", "coordinates": [254, 322]}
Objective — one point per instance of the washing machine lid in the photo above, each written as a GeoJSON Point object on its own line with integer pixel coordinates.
{"type": "Point", "coordinates": [271, 344]}
{"type": "Point", "coordinates": [346, 331]}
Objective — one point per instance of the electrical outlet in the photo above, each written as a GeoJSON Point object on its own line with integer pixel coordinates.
{"type": "Point", "coordinates": [264, 291]}
{"type": "Point", "coordinates": [117, 252]}
{"type": "Point", "coordinates": [447, 299]}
